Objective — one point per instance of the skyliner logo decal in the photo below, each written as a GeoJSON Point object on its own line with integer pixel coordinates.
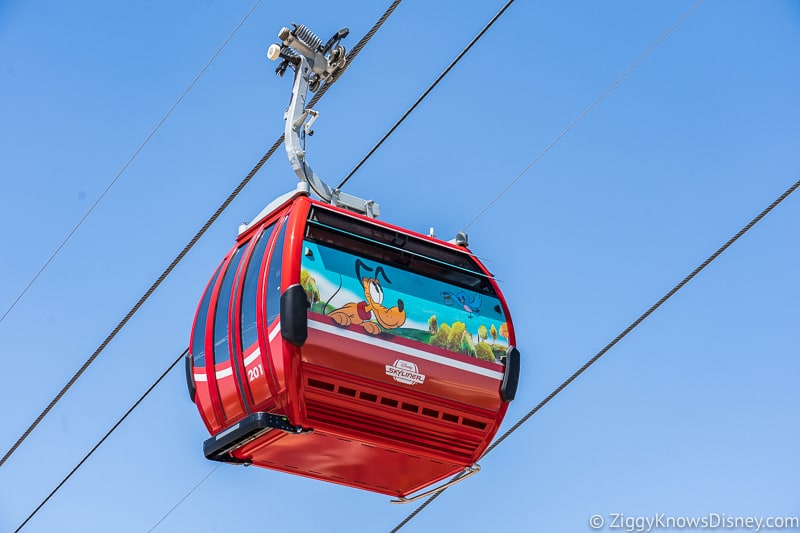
{"type": "Point", "coordinates": [405, 372]}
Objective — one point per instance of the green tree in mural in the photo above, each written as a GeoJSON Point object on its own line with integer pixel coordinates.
{"type": "Point", "coordinates": [456, 332]}
{"type": "Point", "coordinates": [484, 351]}
{"type": "Point", "coordinates": [432, 326]}
{"type": "Point", "coordinates": [483, 333]}
{"type": "Point", "coordinates": [467, 344]}
{"type": "Point", "coordinates": [309, 285]}
{"type": "Point", "coordinates": [441, 337]}
{"type": "Point", "coordinates": [493, 333]}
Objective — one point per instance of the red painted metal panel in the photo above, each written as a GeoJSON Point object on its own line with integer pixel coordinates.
{"type": "Point", "coordinates": [349, 462]}
{"type": "Point", "coordinates": [292, 253]}
{"type": "Point", "coordinates": [229, 392]}
{"type": "Point", "coordinates": [202, 399]}
{"type": "Point", "coordinates": [468, 380]}
{"type": "Point", "coordinates": [256, 375]}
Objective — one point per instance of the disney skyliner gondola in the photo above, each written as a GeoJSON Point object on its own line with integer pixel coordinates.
{"type": "Point", "coordinates": [335, 346]}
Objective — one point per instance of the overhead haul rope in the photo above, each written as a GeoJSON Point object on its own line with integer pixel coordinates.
{"type": "Point", "coordinates": [152, 287]}
{"type": "Point", "coordinates": [102, 440]}
{"type": "Point", "coordinates": [350, 56]}
{"type": "Point", "coordinates": [618, 338]}
{"type": "Point", "coordinates": [441, 76]}
{"type": "Point", "coordinates": [675, 289]}
{"type": "Point", "coordinates": [127, 164]}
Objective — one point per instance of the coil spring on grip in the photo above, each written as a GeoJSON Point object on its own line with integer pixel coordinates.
{"type": "Point", "coordinates": [307, 37]}
{"type": "Point", "coordinates": [288, 52]}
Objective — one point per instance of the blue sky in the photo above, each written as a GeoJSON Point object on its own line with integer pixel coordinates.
{"type": "Point", "coordinates": [695, 412]}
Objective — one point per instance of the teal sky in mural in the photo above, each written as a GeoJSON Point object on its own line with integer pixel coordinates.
{"type": "Point", "coordinates": [422, 296]}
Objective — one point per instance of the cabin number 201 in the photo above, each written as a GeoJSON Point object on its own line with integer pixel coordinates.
{"type": "Point", "coordinates": [255, 372]}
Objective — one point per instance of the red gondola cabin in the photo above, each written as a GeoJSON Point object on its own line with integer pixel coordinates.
{"type": "Point", "coordinates": [342, 348]}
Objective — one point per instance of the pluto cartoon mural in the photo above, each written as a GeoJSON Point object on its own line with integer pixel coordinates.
{"type": "Point", "coordinates": [382, 299]}
{"type": "Point", "coordinates": [370, 313]}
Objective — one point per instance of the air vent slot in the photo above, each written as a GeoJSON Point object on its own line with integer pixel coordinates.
{"type": "Point", "coordinates": [473, 423]}
{"type": "Point", "coordinates": [410, 407]}
{"type": "Point", "coordinates": [367, 396]}
{"type": "Point", "coordinates": [321, 384]}
{"type": "Point", "coordinates": [381, 427]}
{"type": "Point", "coordinates": [391, 402]}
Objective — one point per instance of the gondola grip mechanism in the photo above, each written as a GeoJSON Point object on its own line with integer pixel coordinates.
{"type": "Point", "coordinates": [313, 64]}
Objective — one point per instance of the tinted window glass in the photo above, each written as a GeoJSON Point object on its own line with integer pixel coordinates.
{"type": "Point", "coordinates": [223, 306]}
{"type": "Point", "coordinates": [443, 263]}
{"type": "Point", "coordinates": [274, 278]}
{"type": "Point", "coordinates": [198, 341]}
{"type": "Point", "coordinates": [250, 290]}
{"type": "Point", "coordinates": [393, 239]}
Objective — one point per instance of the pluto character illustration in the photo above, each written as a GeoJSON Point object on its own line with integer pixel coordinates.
{"type": "Point", "coordinates": [370, 313]}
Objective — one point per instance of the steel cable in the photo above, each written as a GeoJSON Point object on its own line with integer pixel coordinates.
{"type": "Point", "coordinates": [441, 76]}
{"type": "Point", "coordinates": [102, 440]}
{"type": "Point", "coordinates": [127, 164]}
{"type": "Point", "coordinates": [584, 113]}
{"type": "Point", "coordinates": [350, 56]}
{"type": "Point", "coordinates": [185, 496]}
{"type": "Point", "coordinates": [618, 338]}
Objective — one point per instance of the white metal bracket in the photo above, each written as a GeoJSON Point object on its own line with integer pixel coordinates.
{"type": "Point", "coordinates": [467, 472]}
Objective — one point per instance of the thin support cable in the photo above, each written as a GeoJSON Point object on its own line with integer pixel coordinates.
{"type": "Point", "coordinates": [141, 302]}
{"type": "Point", "coordinates": [584, 113]}
{"type": "Point", "coordinates": [618, 338]}
{"type": "Point", "coordinates": [190, 245]}
{"type": "Point", "coordinates": [185, 497]}
{"type": "Point", "coordinates": [102, 440]}
{"type": "Point", "coordinates": [441, 76]}
{"type": "Point", "coordinates": [127, 164]}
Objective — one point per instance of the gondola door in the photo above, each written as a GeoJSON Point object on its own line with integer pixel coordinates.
{"type": "Point", "coordinates": [258, 385]}
{"type": "Point", "coordinates": [203, 392]}
{"type": "Point", "coordinates": [269, 309]}
{"type": "Point", "coordinates": [259, 325]}
{"type": "Point", "coordinates": [220, 369]}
